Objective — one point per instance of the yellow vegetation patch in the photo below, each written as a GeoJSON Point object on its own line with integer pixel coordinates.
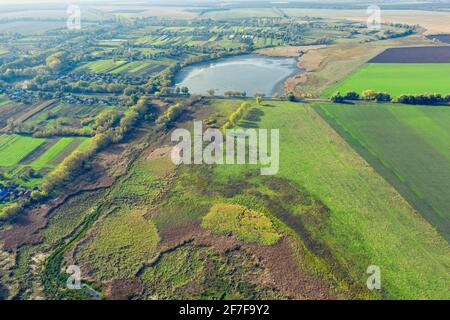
{"type": "Point", "coordinates": [244, 224]}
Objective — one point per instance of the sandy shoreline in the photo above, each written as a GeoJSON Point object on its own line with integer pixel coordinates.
{"type": "Point", "coordinates": [309, 59]}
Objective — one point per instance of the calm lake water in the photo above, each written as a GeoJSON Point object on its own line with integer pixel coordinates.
{"type": "Point", "coordinates": [249, 73]}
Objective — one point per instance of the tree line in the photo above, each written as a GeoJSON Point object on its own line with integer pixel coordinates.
{"type": "Point", "coordinates": [371, 95]}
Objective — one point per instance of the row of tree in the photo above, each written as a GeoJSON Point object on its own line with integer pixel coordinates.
{"type": "Point", "coordinates": [237, 115]}
{"type": "Point", "coordinates": [235, 93]}
{"type": "Point", "coordinates": [371, 95]}
{"type": "Point", "coordinates": [171, 115]}
{"type": "Point", "coordinates": [424, 99]}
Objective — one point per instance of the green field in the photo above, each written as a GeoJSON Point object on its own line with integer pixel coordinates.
{"type": "Point", "coordinates": [102, 66]}
{"type": "Point", "coordinates": [396, 79]}
{"type": "Point", "coordinates": [409, 145]}
{"type": "Point", "coordinates": [14, 148]}
{"type": "Point", "coordinates": [51, 153]}
{"type": "Point", "coordinates": [368, 223]}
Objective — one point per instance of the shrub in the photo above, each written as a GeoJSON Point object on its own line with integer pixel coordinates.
{"type": "Point", "coordinates": [38, 195]}
{"type": "Point", "coordinates": [351, 95]}
{"type": "Point", "coordinates": [290, 96]}
{"type": "Point", "coordinates": [382, 97]}
{"type": "Point", "coordinates": [337, 98]}
{"type": "Point", "coordinates": [369, 95]}
{"type": "Point", "coordinates": [10, 211]}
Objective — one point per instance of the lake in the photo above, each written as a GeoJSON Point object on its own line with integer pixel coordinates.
{"type": "Point", "coordinates": [250, 73]}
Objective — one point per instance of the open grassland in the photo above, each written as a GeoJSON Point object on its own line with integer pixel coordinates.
{"type": "Point", "coordinates": [409, 145]}
{"type": "Point", "coordinates": [367, 221]}
{"type": "Point", "coordinates": [14, 148]}
{"type": "Point", "coordinates": [396, 79]}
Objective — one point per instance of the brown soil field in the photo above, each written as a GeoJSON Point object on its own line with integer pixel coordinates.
{"type": "Point", "coordinates": [433, 54]}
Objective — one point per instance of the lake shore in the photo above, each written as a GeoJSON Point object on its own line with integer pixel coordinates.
{"type": "Point", "coordinates": [309, 60]}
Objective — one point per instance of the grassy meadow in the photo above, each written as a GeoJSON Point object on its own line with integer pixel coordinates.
{"type": "Point", "coordinates": [396, 79]}
{"type": "Point", "coordinates": [409, 145]}
{"type": "Point", "coordinates": [368, 223]}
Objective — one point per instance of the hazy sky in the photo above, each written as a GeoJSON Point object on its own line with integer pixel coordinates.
{"type": "Point", "coordinates": [168, 2]}
{"type": "Point", "coordinates": [191, 1]}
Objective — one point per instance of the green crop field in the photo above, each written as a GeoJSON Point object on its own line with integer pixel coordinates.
{"type": "Point", "coordinates": [14, 148]}
{"type": "Point", "coordinates": [101, 66]}
{"type": "Point", "coordinates": [396, 79]}
{"type": "Point", "coordinates": [409, 145]}
{"type": "Point", "coordinates": [51, 153]}
{"type": "Point", "coordinates": [368, 223]}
